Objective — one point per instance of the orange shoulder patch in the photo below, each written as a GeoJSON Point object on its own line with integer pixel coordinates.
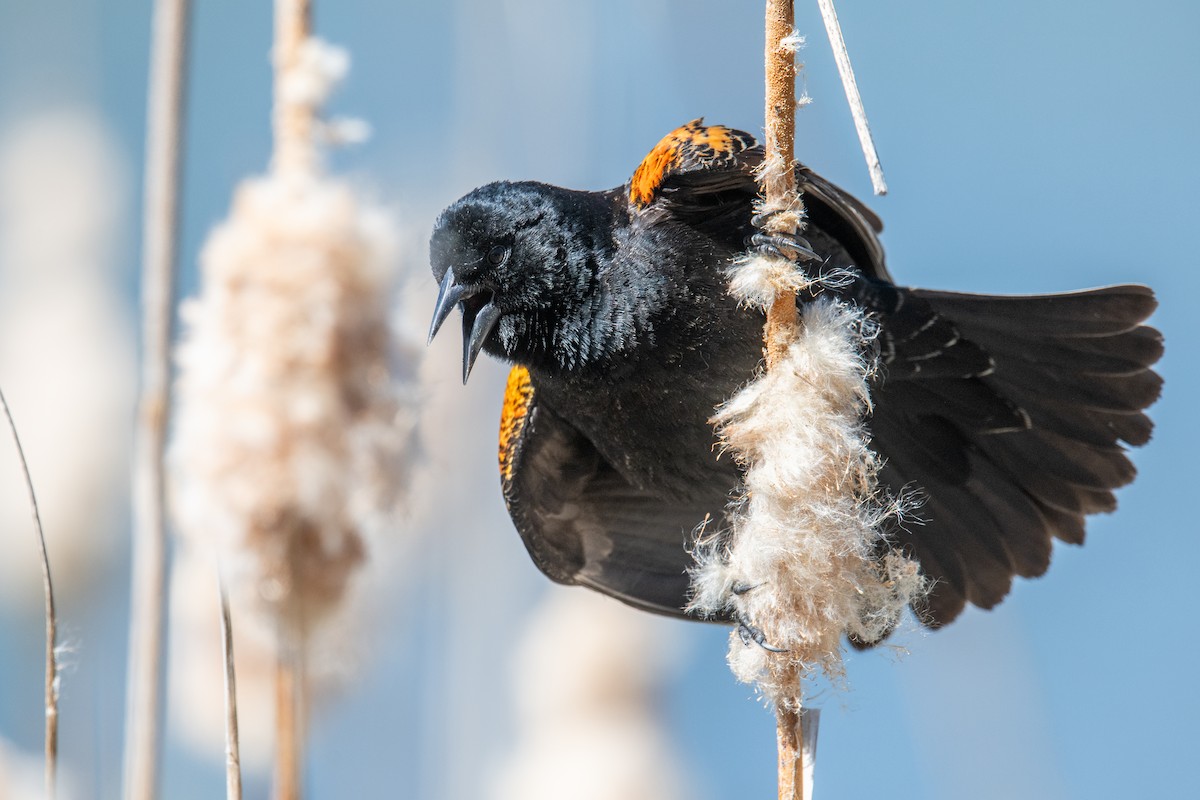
{"type": "Point", "coordinates": [518, 397]}
{"type": "Point", "coordinates": [691, 146]}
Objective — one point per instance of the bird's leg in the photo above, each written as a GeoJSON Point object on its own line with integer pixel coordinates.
{"type": "Point", "coordinates": [789, 246]}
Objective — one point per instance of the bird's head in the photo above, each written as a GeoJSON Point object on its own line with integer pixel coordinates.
{"type": "Point", "coordinates": [515, 258]}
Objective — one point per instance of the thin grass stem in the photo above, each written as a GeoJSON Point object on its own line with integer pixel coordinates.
{"type": "Point", "coordinates": [51, 688]}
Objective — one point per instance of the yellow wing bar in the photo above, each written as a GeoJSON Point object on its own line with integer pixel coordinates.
{"type": "Point", "coordinates": [518, 397]}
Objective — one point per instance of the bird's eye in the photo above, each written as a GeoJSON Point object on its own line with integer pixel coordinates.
{"type": "Point", "coordinates": [497, 255]}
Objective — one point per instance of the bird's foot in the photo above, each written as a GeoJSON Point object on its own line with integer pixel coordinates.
{"type": "Point", "coordinates": [789, 246]}
{"type": "Point", "coordinates": [751, 634]}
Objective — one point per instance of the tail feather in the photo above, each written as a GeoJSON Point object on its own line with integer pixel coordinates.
{"type": "Point", "coordinates": [1079, 387]}
{"type": "Point", "coordinates": [1092, 312]}
{"type": "Point", "coordinates": [990, 577]}
{"type": "Point", "coordinates": [1044, 486]}
{"type": "Point", "coordinates": [1125, 353]}
{"type": "Point", "coordinates": [1083, 466]}
{"type": "Point", "coordinates": [1099, 428]}
{"type": "Point", "coordinates": [1063, 525]}
{"type": "Point", "coordinates": [1018, 515]}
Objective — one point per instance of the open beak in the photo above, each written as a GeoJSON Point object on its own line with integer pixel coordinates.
{"type": "Point", "coordinates": [480, 316]}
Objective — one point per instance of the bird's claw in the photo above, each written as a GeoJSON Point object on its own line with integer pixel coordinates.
{"type": "Point", "coordinates": [789, 246]}
{"type": "Point", "coordinates": [750, 634]}
{"type": "Point", "coordinates": [760, 220]}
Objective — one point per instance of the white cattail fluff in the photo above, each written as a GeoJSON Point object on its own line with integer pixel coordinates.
{"type": "Point", "coordinates": [588, 674]}
{"type": "Point", "coordinates": [801, 562]}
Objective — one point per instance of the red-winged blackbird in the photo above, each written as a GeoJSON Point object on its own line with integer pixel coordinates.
{"type": "Point", "coordinates": [1007, 413]}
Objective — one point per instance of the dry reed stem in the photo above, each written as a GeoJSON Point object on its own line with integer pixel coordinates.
{"type": "Point", "coordinates": [796, 734]}
{"type": "Point", "coordinates": [164, 124]}
{"type": "Point", "coordinates": [788, 736]}
{"type": "Point", "coordinates": [289, 722]}
{"type": "Point", "coordinates": [233, 753]}
{"type": "Point", "coordinates": [51, 688]}
{"type": "Point", "coordinates": [834, 30]}
{"type": "Point", "coordinates": [779, 185]}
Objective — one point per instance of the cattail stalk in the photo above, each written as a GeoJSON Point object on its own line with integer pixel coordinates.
{"type": "Point", "coordinates": [778, 182]}
{"type": "Point", "coordinates": [233, 755]}
{"type": "Point", "coordinates": [798, 566]}
{"type": "Point", "coordinates": [294, 153]}
{"type": "Point", "coordinates": [164, 136]}
{"type": "Point", "coordinates": [295, 119]}
{"type": "Point", "coordinates": [796, 735]}
{"type": "Point", "coordinates": [778, 178]}
{"type": "Point", "coordinates": [289, 726]}
{"type": "Point", "coordinates": [51, 687]}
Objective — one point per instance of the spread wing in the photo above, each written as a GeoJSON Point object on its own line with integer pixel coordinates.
{"type": "Point", "coordinates": [1009, 414]}
{"type": "Point", "coordinates": [581, 522]}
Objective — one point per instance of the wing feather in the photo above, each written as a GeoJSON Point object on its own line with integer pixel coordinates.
{"type": "Point", "coordinates": [581, 522]}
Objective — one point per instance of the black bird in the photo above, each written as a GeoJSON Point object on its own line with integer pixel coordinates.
{"type": "Point", "coordinates": [1007, 413]}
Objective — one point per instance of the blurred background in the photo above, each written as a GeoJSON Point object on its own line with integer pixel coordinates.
{"type": "Point", "coordinates": [1029, 147]}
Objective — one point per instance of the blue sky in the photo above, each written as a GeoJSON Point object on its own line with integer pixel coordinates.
{"type": "Point", "coordinates": [1029, 147]}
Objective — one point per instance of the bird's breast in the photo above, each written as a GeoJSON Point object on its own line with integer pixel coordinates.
{"type": "Point", "coordinates": [648, 412]}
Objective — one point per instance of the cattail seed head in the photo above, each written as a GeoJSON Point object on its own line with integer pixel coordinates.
{"type": "Point", "coordinates": [291, 444]}
{"type": "Point", "coordinates": [801, 563]}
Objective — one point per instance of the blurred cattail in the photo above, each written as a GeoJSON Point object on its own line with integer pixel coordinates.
{"type": "Point", "coordinates": [588, 674]}
{"type": "Point", "coordinates": [66, 348]}
{"type": "Point", "coordinates": [292, 446]}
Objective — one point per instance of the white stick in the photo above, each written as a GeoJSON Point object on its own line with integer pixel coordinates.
{"type": "Point", "coordinates": [810, 720]}
{"type": "Point", "coordinates": [834, 29]}
{"type": "Point", "coordinates": [233, 754]}
{"type": "Point", "coordinates": [164, 125]}
{"type": "Point", "coordinates": [51, 688]}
